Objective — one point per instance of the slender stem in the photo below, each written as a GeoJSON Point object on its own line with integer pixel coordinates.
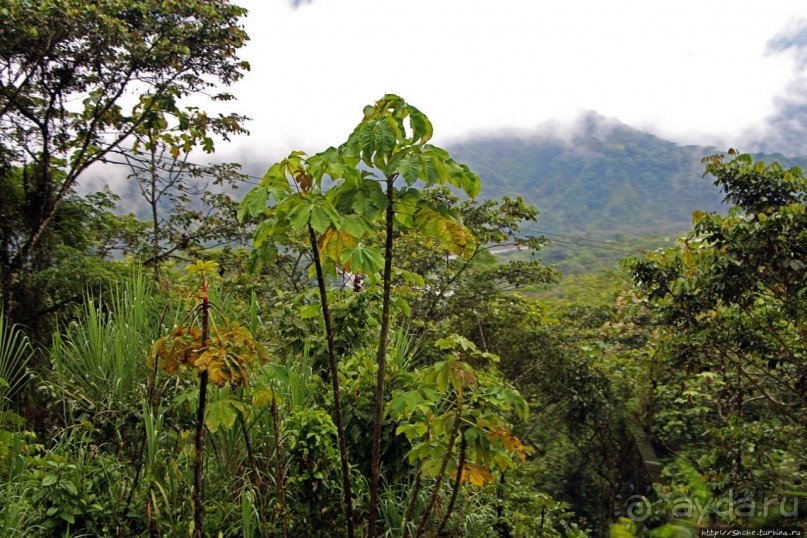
{"type": "Point", "coordinates": [337, 399]}
{"type": "Point", "coordinates": [381, 358]}
{"type": "Point", "coordinates": [504, 527]}
{"type": "Point", "coordinates": [154, 200]}
{"type": "Point", "coordinates": [198, 493]}
{"type": "Point", "coordinates": [457, 482]}
{"type": "Point", "coordinates": [441, 474]}
{"type": "Point", "coordinates": [410, 510]}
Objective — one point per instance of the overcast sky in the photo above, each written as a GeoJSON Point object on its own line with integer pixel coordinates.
{"type": "Point", "coordinates": [692, 70]}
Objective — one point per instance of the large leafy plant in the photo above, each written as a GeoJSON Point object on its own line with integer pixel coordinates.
{"type": "Point", "coordinates": [373, 178]}
{"type": "Point", "coordinates": [222, 357]}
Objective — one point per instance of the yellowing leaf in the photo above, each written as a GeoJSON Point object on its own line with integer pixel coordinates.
{"type": "Point", "coordinates": [453, 235]}
{"type": "Point", "coordinates": [334, 244]}
{"type": "Point", "coordinates": [462, 376]}
{"type": "Point", "coordinates": [478, 476]}
{"type": "Point", "coordinates": [264, 396]}
{"type": "Point", "coordinates": [510, 442]}
{"type": "Point", "coordinates": [225, 357]}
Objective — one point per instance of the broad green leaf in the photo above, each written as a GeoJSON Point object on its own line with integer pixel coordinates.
{"type": "Point", "coordinates": [471, 434]}
{"type": "Point", "coordinates": [369, 201]}
{"type": "Point", "coordinates": [299, 217]}
{"type": "Point", "coordinates": [411, 278]}
{"type": "Point", "coordinates": [430, 172]}
{"type": "Point", "coordinates": [264, 253]}
{"type": "Point", "coordinates": [277, 372]}
{"type": "Point", "coordinates": [461, 177]}
{"type": "Point", "coordinates": [442, 379]}
{"type": "Point", "coordinates": [515, 401]}
{"type": "Point", "coordinates": [355, 225]}
{"type": "Point", "coordinates": [379, 199]}
{"type": "Point", "coordinates": [342, 195]}
{"type": "Point", "coordinates": [320, 220]}
{"type": "Point", "coordinates": [409, 167]}
{"type": "Point", "coordinates": [68, 486]}
{"type": "Point", "coordinates": [253, 203]}
{"type": "Point", "coordinates": [310, 311]}
{"type": "Point", "coordinates": [412, 431]}
{"type": "Point", "coordinates": [474, 185]}
{"type": "Point", "coordinates": [401, 304]}
{"type": "Point", "coordinates": [420, 124]}
{"type": "Point", "coordinates": [455, 341]}
{"type": "Point", "coordinates": [333, 215]}
{"type": "Point", "coordinates": [275, 179]}
{"type": "Point", "coordinates": [404, 403]}
{"type": "Point", "coordinates": [220, 413]}
{"type": "Point", "coordinates": [362, 259]}
{"type": "Point", "coordinates": [431, 466]}
{"type": "Point", "coordinates": [262, 232]}
{"type": "Point", "coordinates": [376, 140]}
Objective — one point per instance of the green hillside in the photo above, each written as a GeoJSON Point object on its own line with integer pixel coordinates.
{"type": "Point", "coordinates": [604, 191]}
{"type": "Point", "coordinates": [607, 178]}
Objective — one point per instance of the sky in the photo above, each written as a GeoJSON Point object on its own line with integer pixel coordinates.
{"type": "Point", "coordinates": [696, 72]}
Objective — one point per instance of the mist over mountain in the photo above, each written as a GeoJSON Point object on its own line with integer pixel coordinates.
{"type": "Point", "coordinates": [595, 176]}
{"type": "Point", "coordinates": [598, 177]}
{"type": "Point", "coordinates": [786, 129]}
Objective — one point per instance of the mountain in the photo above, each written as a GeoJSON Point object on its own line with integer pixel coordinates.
{"type": "Point", "coordinates": [600, 178]}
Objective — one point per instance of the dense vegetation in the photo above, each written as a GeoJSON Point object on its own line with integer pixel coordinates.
{"type": "Point", "coordinates": [599, 178]}
{"type": "Point", "coordinates": [339, 352]}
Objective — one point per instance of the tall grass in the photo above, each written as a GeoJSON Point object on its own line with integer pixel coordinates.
{"type": "Point", "coordinates": [16, 516]}
{"type": "Point", "coordinates": [15, 352]}
{"type": "Point", "coordinates": [16, 513]}
{"type": "Point", "coordinates": [99, 361]}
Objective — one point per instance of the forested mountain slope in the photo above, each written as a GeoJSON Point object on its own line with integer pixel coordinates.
{"type": "Point", "coordinates": [600, 177]}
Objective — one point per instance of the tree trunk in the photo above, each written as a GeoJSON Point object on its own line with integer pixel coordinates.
{"type": "Point", "coordinates": [381, 358]}
{"type": "Point", "coordinates": [198, 493]}
{"type": "Point", "coordinates": [337, 399]}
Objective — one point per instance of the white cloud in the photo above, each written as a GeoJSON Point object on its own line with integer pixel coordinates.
{"type": "Point", "coordinates": [694, 71]}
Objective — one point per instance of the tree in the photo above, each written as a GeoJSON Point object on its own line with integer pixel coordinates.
{"type": "Point", "coordinates": [732, 298]}
{"type": "Point", "coordinates": [77, 79]}
{"type": "Point", "coordinates": [158, 161]}
{"type": "Point", "coordinates": [461, 284]}
{"type": "Point", "coordinates": [390, 144]}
